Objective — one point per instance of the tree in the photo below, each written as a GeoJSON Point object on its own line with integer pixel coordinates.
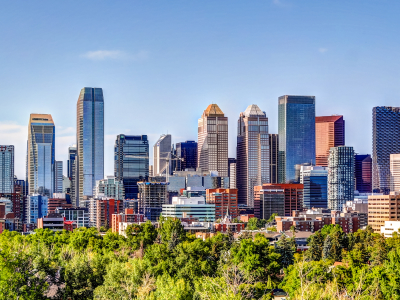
{"type": "Point", "coordinates": [252, 224]}
{"type": "Point", "coordinates": [272, 218]}
{"type": "Point", "coordinates": [286, 249]}
{"type": "Point", "coordinates": [316, 245]}
{"type": "Point", "coordinates": [326, 251]}
{"type": "Point", "coordinates": [171, 228]}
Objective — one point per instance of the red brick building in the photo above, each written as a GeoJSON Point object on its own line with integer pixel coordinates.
{"type": "Point", "coordinates": [105, 210]}
{"type": "Point", "coordinates": [224, 200]}
{"type": "Point", "coordinates": [128, 216]}
{"type": "Point", "coordinates": [53, 203]}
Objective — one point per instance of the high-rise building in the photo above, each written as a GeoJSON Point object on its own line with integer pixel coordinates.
{"type": "Point", "coordinates": [340, 177]}
{"type": "Point", "coordinates": [187, 152]}
{"type": "Point", "coordinates": [162, 154]}
{"type": "Point", "coordinates": [58, 176]}
{"type": "Point", "coordinates": [383, 208]}
{"type": "Point", "coordinates": [225, 201]}
{"type": "Point", "coordinates": [329, 132]}
{"type": "Point", "coordinates": [252, 166]}
{"type": "Point", "coordinates": [152, 196]}
{"type": "Point", "coordinates": [131, 162]}
{"type": "Point", "coordinates": [6, 169]}
{"type": "Point", "coordinates": [212, 145]}
{"type": "Point", "coordinates": [293, 195]}
{"type": "Point", "coordinates": [90, 142]}
{"type": "Point", "coordinates": [36, 207]}
{"type": "Point", "coordinates": [363, 173]}
{"type": "Point", "coordinates": [109, 188]}
{"type": "Point", "coordinates": [40, 155]}
{"type": "Point", "coordinates": [315, 181]}
{"type": "Point", "coordinates": [232, 172]}
{"type": "Point", "coordinates": [296, 128]}
{"type": "Point", "coordinates": [273, 157]}
{"type": "Point", "coordinates": [394, 172]}
{"type": "Point", "coordinates": [385, 141]}
{"type": "Point", "coordinates": [268, 200]}
{"type": "Point", "coordinates": [71, 172]}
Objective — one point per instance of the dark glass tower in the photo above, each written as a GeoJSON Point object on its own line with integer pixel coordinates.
{"type": "Point", "coordinates": [131, 162]}
{"type": "Point", "coordinates": [296, 128]}
{"type": "Point", "coordinates": [6, 169]}
{"type": "Point", "coordinates": [363, 173]}
{"type": "Point", "coordinates": [187, 151]}
{"type": "Point", "coordinates": [385, 141]}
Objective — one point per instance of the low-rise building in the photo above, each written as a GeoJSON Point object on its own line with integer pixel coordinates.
{"type": "Point", "coordinates": [54, 222]}
{"type": "Point", "coordinates": [127, 217]}
{"type": "Point", "coordinates": [389, 228]}
{"type": "Point", "coordinates": [79, 216]}
{"type": "Point", "coordinates": [383, 208]}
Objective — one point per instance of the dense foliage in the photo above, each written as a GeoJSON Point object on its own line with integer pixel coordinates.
{"type": "Point", "coordinates": [167, 263]}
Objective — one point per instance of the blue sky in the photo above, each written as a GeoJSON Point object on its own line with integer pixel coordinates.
{"type": "Point", "coordinates": [160, 63]}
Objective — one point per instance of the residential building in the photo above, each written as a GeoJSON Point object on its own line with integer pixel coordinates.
{"type": "Point", "coordinates": [273, 157]}
{"type": "Point", "coordinates": [59, 200]}
{"type": "Point", "coordinates": [225, 201]}
{"type": "Point", "coordinates": [55, 222]}
{"type": "Point", "coordinates": [90, 142]}
{"type": "Point", "coordinates": [296, 128]}
{"type": "Point", "coordinates": [40, 155]}
{"type": "Point", "coordinates": [58, 177]}
{"type": "Point", "coordinates": [162, 155]}
{"type": "Point", "coordinates": [79, 216]}
{"type": "Point", "coordinates": [109, 188]}
{"type": "Point", "coordinates": [329, 132]}
{"type": "Point", "coordinates": [105, 209]}
{"type": "Point", "coordinates": [152, 196]}
{"type": "Point", "coordinates": [17, 200]}
{"type": "Point", "coordinates": [315, 181]}
{"type": "Point", "coordinates": [252, 166]}
{"type": "Point", "coordinates": [383, 208]}
{"type": "Point", "coordinates": [71, 172]}
{"type": "Point", "coordinates": [36, 207]}
{"type": "Point", "coordinates": [268, 200]}
{"type": "Point", "coordinates": [187, 153]}
{"type": "Point", "coordinates": [363, 173]}
{"type": "Point", "coordinates": [213, 141]}
{"type": "Point", "coordinates": [127, 217]}
{"type": "Point", "coordinates": [193, 208]}
{"type": "Point", "coordinates": [385, 141]}
{"type": "Point", "coordinates": [340, 177]}
{"type": "Point", "coordinates": [131, 162]}
{"type": "Point", "coordinates": [6, 169]}
{"type": "Point", "coordinates": [394, 172]}
{"type": "Point", "coordinates": [389, 228]}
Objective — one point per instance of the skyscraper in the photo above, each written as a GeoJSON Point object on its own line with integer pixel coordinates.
{"type": "Point", "coordinates": [131, 162]}
{"type": "Point", "coordinates": [329, 132]}
{"type": "Point", "coordinates": [394, 172]}
{"type": "Point", "coordinates": [340, 177]}
{"type": "Point", "coordinates": [89, 141]}
{"type": "Point", "coordinates": [161, 155]}
{"type": "Point", "coordinates": [296, 128]}
{"type": "Point", "coordinates": [273, 157]}
{"type": "Point", "coordinates": [40, 155]}
{"type": "Point", "coordinates": [315, 181]}
{"type": "Point", "coordinates": [385, 141]}
{"type": "Point", "coordinates": [58, 177]}
{"type": "Point", "coordinates": [187, 151]}
{"type": "Point", "coordinates": [72, 173]}
{"type": "Point", "coordinates": [363, 173]}
{"type": "Point", "coordinates": [6, 169]}
{"type": "Point", "coordinates": [213, 141]}
{"type": "Point", "coordinates": [252, 166]}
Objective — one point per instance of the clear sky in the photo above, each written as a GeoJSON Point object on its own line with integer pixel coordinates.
{"type": "Point", "coordinates": [160, 63]}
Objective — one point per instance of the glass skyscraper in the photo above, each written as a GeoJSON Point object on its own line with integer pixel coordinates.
{"type": "Point", "coordinates": [72, 173]}
{"type": "Point", "coordinates": [187, 151]}
{"type": "Point", "coordinates": [385, 141]}
{"type": "Point", "coordinates": [315, 181]}
{"type": "Point", "coordinates": [296, 128]}
{"type": "Point", "coordinates": [40, 155]}
{"type": "Point", "coordinates": [6, 169]}
{"type": "Point", "coordinates": [363, 173]}
{"type": "Point", "coordinates": [161, 154]}
{"type": "Point", "coordinates": [90, 141]}
{"type": "Point", "coordinates": [131, 162]}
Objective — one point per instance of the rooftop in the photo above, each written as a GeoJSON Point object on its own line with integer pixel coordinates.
{"type": "Point", "coordinates": [253, 111]}
{"type": "Point", "coordinates": [213, 110]}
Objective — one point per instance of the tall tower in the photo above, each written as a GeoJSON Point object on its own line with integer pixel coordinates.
{"type": "Point", "coordinates": [394, 172]}
{"type": "Point", "coordinates": [273, 157]}
{"type": "Point", "coordinates": [6, 169]}
{"type": "Point", "coordinates": [213, 141]}
{"type": "Point", "coordinates": [72, 172]}
{"type": "Point", "coordinates": [385, 141]}
{"type": "Point", "coordinates": [363, 173]}
{"type": "Point", "coordinates": [187, 152]}
{"type": "Point", "coordinates": [89, 141]}
{"type": "Point", "coordinates": [58, 177]}
{"type": "Point", "coordinates": [329, 132]}
{"type": "Point", "coordinates": [161, 153]}
{"type": "Point", "coordinates": [131, 162]}
{"type": "Point", "coordinates": [40, 155]}
{"type": "Point", "coordinates": [252, 165]}
{"type": "Point", "coordinates": [296, 128]}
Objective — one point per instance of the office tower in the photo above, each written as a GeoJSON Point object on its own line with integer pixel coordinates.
{"type": "Point", "coordinates": [40, 155]}
{"type": "Point", "coordinates": [315, 181]}
{"type": "Point", "coordinates": [131, 162]}
{"type": "Point", "coordinates": [252, 166]}
{"type": "Point", "coordinates": [268, 200]}
{"type": "Point", "coordinates": [273, 158]}
{"type": "Point", "coordinates": [161, 155]}
{"type": "Point", "coordinates": [296, 128]}
{"type": "Point", "coordinates": [383, 208]}
{"type": "Point", "coordinates": [225, 201]}
{"type": "Point", "coordinates": [89, 141]}
{"type": "Point", "coordinates": [232, 173]}
{"type": "Point", "coordinates": [151, 173]}
{"type": "Point", "coordinates": [71, 173]}
{"type": "Point", "coordinates": [152, 196]}
{"type": "Point", "coordinates": [187, 152]}
{"type": "Point", "coordinates": [36, 207]}
{"type": "Point", "coordinates": [329, 132]}
{"type": "Point", "coordinates": [394, 172]}
{"type": "Point", "coordinates": [213, 141]}
{"type": "Point", "coordinates": [58, 177]}
{"type": "Point", "coordinates": [385, 141]}
{"type": "Point", "coordinates": [293, 195]}
{"type": "Point", "coordinates": [340, 177]}
{"type": "Point", "coordinates": [6, 169]}
{"type": "Point", "coordinates": [363, 173]}
{"type": "Point", "coordinates": [109, 188]}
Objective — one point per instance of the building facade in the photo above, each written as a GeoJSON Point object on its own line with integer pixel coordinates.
{"type": "Point", "coordinates": [340, 177]}
{"type": "Point", "coordinates": [71, 173]}
{"type": "Point", "coordinates": [152, 197]}
{"type": "Point", "coordinates": [89, 141]}
{"type": "Point", "coordinates": [193, 208]}
{"type": "Point", "coordinates": [213, 141]}
{"type": "Point", "coordinates": [363, 173]}
{"type": "Point", "coordinates": [36, 207]}
{"type": "Point", "coordinates": [58, 177]}
{"type": "Point", "coordinates": [273, 157]}
{"type": "Point", "coordinates": [187, 152]}
{"type": "Point", "coordinates": [225, 201]}
{"type": "Point", "coordinates": [252, 165]}
{"type": "Point", "coordinates": [109, 188]}
{"type": "Point", "coordinates": [394, 172]}
{"type": "Point", "coordinates": [162, 154]}
{"type": "Point", "coordinates": [383, 208]}
{"type": "Point", "coordinates": [268, 200]}
{"type": "Point", "coordinates": [296, 128]}
{"type": "Point", "coordinates": [315, 181]}
{"type": "Point", "coordinates": [6, 169]}
{"type": "Point", "coordinates": [40, 156]}
{"type": "Point", "coordinates": [329, 132]}
{"type": "Point", "coordinates": [79, 216]}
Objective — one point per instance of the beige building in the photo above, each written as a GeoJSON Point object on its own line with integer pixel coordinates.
{"type": "Point", "coordinates": [383, 208]}
{"type": "Point", "coordinates": [394, 172]}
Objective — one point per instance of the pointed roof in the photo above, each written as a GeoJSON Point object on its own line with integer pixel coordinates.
{"type": "Point", "coordinates": [213, 110]}
{"type": "Point", "coordinates": [253, 111]}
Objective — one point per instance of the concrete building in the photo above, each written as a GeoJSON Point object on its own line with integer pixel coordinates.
{"type": "Point", "coordinates": [152, 197]}
{"type": "Point", "coordinates": [193, 208]}
{"type": "Point", "coordinates": [213, 141]}
{"type": "Point", "coordinates": [105, 209]}
{"type": "Point", "coordinates": [225, 201]}
{"type": "Point", "coordinates": [59, 200]}
{"type": "Point", "coordinates": [162, 154]}
{"type": "Point", "coordinates": [315, 181]}
{"type": "Point", "coordinates": [383, 208]}
{"type": "Point", "coordinates": [109, 188]}
{"type": "Point", "coordinates": [187, 179]}
{"type": "Point", "coordinates": [394, 172]}
{"type": "Point", "coordinates": [389, 228]}
{"type": "Point", "coordinates": [268, 200]}
{"type": "Point", "coordinates": [54, 222]}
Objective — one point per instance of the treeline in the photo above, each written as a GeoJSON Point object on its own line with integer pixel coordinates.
{"type": "Point", "coordinates": [168, 263]}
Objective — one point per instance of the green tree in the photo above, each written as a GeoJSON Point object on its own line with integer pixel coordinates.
{"type": "Point", "coordinates": [315, 244]}
{"type": "Point", "coordinates": [252, 224]}
{"type": "Point", "coordinates": [327, 250]}
{"type": "Point", "coordinates": [286, 248]}
{"type": "Point", "coordinates": [171, 229]}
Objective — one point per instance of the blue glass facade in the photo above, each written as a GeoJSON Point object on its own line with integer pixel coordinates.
{"type": "Point", "coordinates": [131, 162]}
{"type": "Point", "coordinates": [90, 141]}
{"type": "Point", "coordinates": [315, 192]}
{"type": "Point", "coordinates": [296, 128]}
{"type": "Point", "coordinates": [188, 152]}
{"type": "Point", "coordinates": [36, 207]}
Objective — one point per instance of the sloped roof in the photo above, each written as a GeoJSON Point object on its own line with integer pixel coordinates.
{"type": "Point", "coordinates": [253, 111]}
{"type": "Point", "coordinates": [213, 110]}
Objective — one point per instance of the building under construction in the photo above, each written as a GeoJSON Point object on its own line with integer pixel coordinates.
{"type": "Point", "coordinates": [152, 196]}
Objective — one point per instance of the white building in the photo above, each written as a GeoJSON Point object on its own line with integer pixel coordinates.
{"type": "Point", "coordinates": [109, 188]}
{"type": "Point", "coordinates": [390, 227]}
{"type": "Point", "coordinates": [394, 172]}
{"type": "Point", "coordinates": [193, 207]}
